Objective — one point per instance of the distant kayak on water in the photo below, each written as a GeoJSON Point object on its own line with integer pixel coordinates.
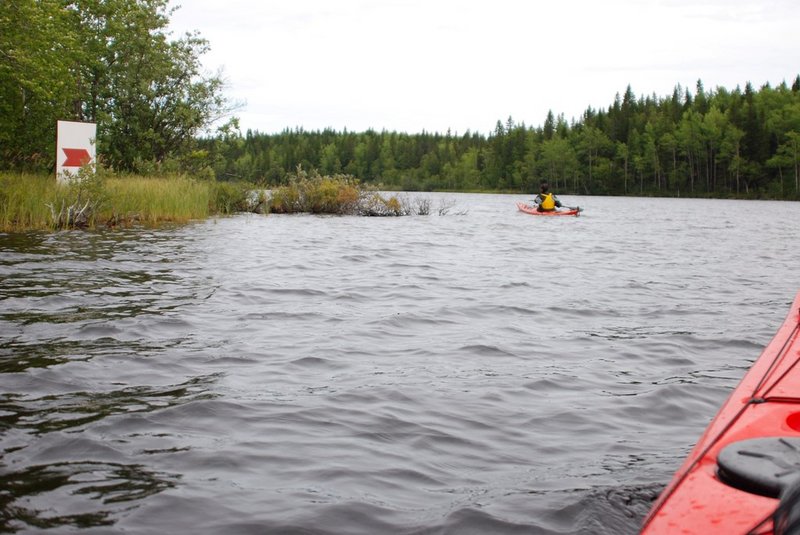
{"type": "Point", "coordinates": [531, 209]}
{"type": "Point", "coordinates": [743, 475]}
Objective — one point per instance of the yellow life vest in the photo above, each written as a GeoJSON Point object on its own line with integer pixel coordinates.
{"type": "Point", "coordinates": [548, 203]}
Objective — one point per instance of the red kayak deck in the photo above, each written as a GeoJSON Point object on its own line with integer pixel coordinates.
{"type": "Point", "coordinates": [530, 209]}
{"type": "Point", "coordinates": [763, 413]}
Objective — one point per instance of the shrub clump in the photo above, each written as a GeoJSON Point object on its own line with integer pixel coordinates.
{"type": "Point", "coordinates": [77, 203]}
{"type": "Point", "coordinates": [338, 194]}
{"type": "Point", "coordinates": [230, 197]}
{"type": "Point", "coordinates": [375, 204]}
{"type": "Point", "coordinates": [317, 194]}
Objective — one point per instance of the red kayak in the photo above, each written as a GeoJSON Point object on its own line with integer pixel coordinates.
{"type": "Point", "coordinates": [747, 463]}
{"type": "Point", "coordinates": [530, 209]}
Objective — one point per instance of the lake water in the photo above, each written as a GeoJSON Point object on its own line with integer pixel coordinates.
{"type": "Point", "coordinates": [483, 371]}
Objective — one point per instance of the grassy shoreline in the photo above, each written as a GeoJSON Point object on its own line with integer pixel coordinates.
{"type": "Point", "coordinates": [36, 202]}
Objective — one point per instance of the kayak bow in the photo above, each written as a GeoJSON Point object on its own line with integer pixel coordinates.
{"type": "Point", "coordinates": [748, 458]}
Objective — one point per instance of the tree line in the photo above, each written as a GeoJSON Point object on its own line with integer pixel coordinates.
{"type": "Point", "coordinates": [703, 143]}
{"type": "Point", "coordinates": [112, 62]}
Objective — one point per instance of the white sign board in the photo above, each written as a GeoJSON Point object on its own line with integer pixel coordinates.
{"type": "Point", "coordinates": [75, 147]}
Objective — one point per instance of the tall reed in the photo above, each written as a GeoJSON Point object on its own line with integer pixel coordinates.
{"type": "Point", "coordinates": [153, 200]}
{"type": "Point", "coordinates": [37, 202]}
{"type": "Point", "coordinates": [24, 200]}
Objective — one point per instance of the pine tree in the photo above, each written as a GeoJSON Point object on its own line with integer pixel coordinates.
{"type": "Point", "coordinates": [549, 126]}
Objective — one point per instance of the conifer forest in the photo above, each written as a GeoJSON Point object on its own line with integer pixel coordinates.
{"type": "Point", "coordinates": [709, 143]}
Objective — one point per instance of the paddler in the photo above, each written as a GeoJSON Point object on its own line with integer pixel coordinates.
{"type": "Point", "coordinates": [546, 201]}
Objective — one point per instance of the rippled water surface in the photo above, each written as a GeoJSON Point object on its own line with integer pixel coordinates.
{"type": "Point", "coordinates": [483, 371]}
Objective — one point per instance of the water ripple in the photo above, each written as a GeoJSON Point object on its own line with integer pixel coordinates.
{"type": "Point", "coordinates": [487, 373]}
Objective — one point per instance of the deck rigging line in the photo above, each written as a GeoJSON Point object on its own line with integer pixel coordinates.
{"type": "Point", "coordinates": [752, 401]}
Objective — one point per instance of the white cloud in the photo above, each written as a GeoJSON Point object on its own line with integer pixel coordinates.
{"type": "Point", "coordinates": [438, 64]}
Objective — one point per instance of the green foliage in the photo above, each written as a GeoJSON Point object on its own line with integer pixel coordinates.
{"type": "Point", "coordinates": [317, 194]}
{"type": "Point", "coordinates": [23, 201]}
{"type": "Point", "coordinates": [29, 201]}
{"type": "Point", "coordinates": [285, 200]}
{"type": "Point", "coordinates": [229, 197]}
{"type": "Point", "coordinates": [104, 61]}
{"type": "Point", "coordinates": [38, 51]}
{"type": "Point", "coordinates": [79, 200]}
{"type": "Point", "coordinates": [338, 194]}
{"type": "Point", "coordinates": [37, 202]}
{"type": "Point", "coordinates": [715, 143]}
{"type": "Point", "coordinates": [154, 200]}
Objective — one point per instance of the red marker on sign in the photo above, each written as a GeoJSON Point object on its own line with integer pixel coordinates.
{"type": "Point", "coordinates": [76, 157]}
{"type": "Point", "coordinates": [76, 142]}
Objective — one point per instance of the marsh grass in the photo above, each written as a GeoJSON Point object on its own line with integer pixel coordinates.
{"type": "Point", "coordinates": [155, 200]}
{"type": "Point", "coordinates": [26, 201]}
{"type": "Point", "coordinates": [37, 202]}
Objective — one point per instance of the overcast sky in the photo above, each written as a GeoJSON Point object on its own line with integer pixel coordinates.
{"type": "Point", "coordinates": [434, 65]}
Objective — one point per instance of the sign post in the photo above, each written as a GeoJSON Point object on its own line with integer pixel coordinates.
{"type": "Point", "coordinates": [75, 148]}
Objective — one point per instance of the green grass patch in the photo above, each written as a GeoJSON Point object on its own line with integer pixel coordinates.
{"type": "Point", "coordinates": [23, 201]}
{"type": "Point", "coordinates": [38, 202]}
{"type": "Point", "coordinates": [154, 200]}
